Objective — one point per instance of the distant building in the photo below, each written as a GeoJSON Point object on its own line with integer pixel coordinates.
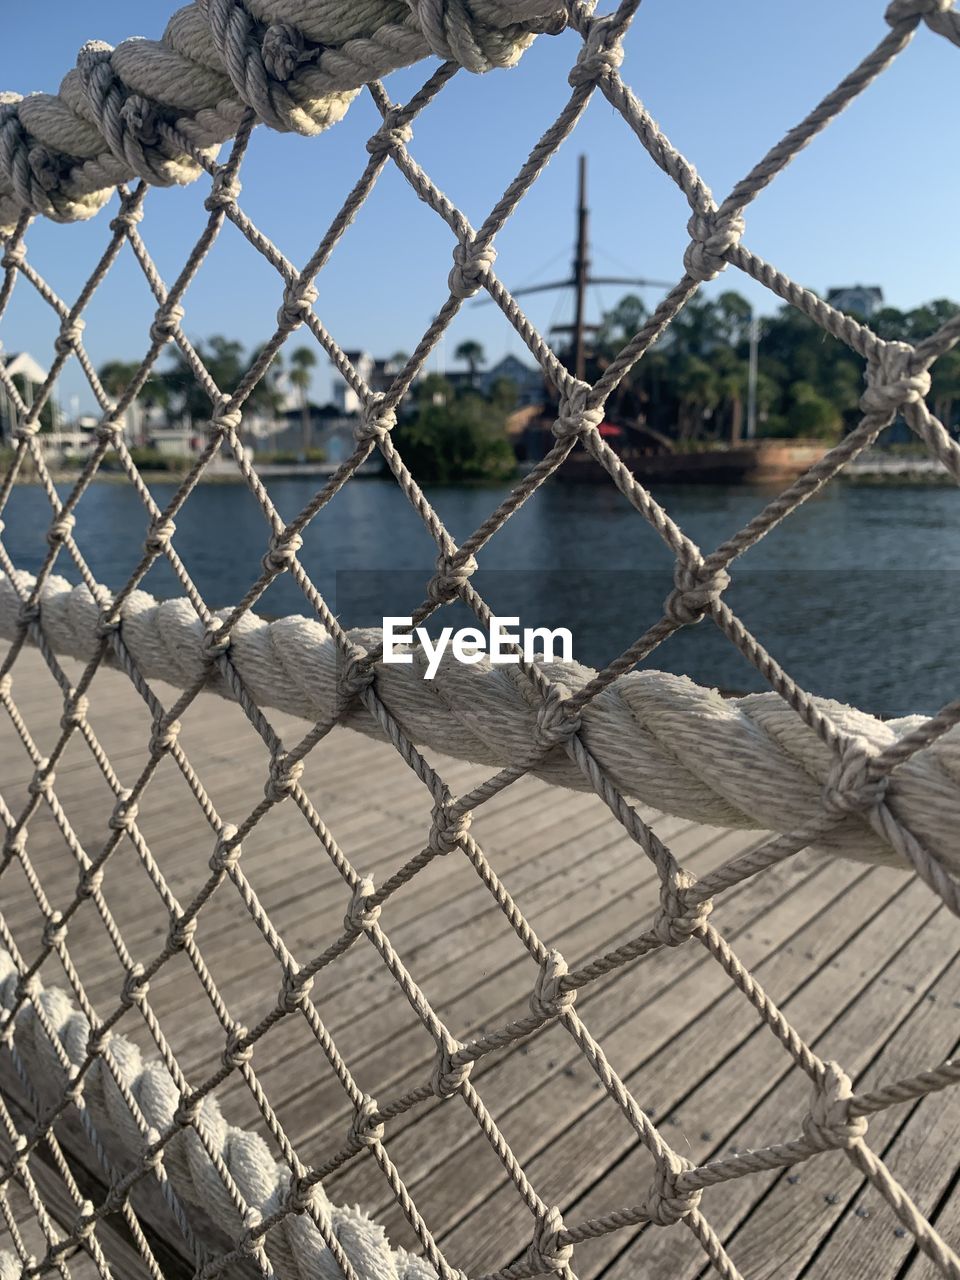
{"type": "Point", "coordinates": [526, 378]}
{"type": "Point", "coordinates": [860, 299]}
{"type": "Point", "coordinates": [377, 374]}
{"type": "Point", "coordinates": [29, 375]}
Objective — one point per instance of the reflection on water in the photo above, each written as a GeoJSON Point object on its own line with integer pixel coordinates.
{"type": "Point", "coordinates": [856, 594]}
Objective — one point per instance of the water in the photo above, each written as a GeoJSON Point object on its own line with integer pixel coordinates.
{"type": "Point", "coordinates": [856, 594]}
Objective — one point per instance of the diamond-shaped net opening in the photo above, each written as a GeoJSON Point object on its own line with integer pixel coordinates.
{"type": "Point", "coordinates": [117, 1156]}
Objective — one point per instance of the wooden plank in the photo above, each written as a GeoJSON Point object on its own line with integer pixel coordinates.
{"type": "Point", "coordinates": [576, 1159]}
{"type": "Point", "coordinates": [841, 1011]}
{"type": "Point", "coordinates": [919, 1143]}
{"type": "Point", "coordinates": [491, 989]}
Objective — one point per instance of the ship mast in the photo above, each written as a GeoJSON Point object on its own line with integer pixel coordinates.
{"type": "Point", "coordinates": [581, 279]}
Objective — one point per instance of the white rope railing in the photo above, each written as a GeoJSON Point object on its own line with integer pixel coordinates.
{"type": "Point", "coordinates": [747, 762]}
{"type": "Point", "coordinates": [818, 774]}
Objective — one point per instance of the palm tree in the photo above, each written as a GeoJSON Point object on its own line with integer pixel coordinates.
{"type": "Point", "coordinates": [301, 362]}
{"type": "Point", "coordinates": [472, 355]}
{"type": "Point", "coordinates": [115, 376]}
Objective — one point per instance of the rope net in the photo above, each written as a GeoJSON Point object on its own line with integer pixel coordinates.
{"type": "Point", "coordinates": [247, 1204]}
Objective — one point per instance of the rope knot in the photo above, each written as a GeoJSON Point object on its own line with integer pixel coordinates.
{"type": "Point", "coordinates": [283, 48]}
{"type": "Point", "coordinates": [455, 33]}
{"type": "Point", "coordinates": [41, 784]}
{"type": "Point", "coordinates": [159, 535]}
{"type": "Point", "coordinates": [235, 1052]}
{"type": "Point", "coordinates": [576, 417]}
{"type": "Point", "coordinates": [140, 121]}
{"type": "Point", "coordinates": [181, 931]}
{"type": "Point", "coordinates": [851, 785]}
{"type": "Point", "coordinates": [75, 712]}
{"type": "Point", "coordinates": [189, 1109]}
{"type": "Point", "coordinates": [367, 1128]}
{"type": "Point", "coordinates": [449, 1076]}
{"type": "Point", "coordinates": [303, 1196]}
{"type": "Point", "coordinates": [675, 920]}
{"type": "Point", "coordinates": [61, 529]}
{"type": "Point", "coordinates": [135, 987]}
{"type": "Point", "coordinates": [556, 722]}
{"type": "Point", "coordinates": [712, 236]}
{"type": "Point", "coordinates": [355, 674]}
{"type": "Point", "coordinates": [666, 1204]}
{"type": "Point", "coordinates": [393, 134]}
{"type": "Point", "coordinates": [68, 338]}
{"type": "Point", "coordinates": [298, 300]}
{"type": "Point", "coordinates": [360, 914]}
{"type": "Point", "coordinates": [448, 829]}
{"type": "Point", "coordinates": [547, 1253]}
{"type": "Point", "coordinates": [601, 56]}
{"type": "Point", "coordinates": [549, 999]}
{"type": "Point", "coordinates": [28, 612]}
{"type": "Point", "coordinates": [294, 991]}
{"type": "Point", "coordinates": [227, 851]}
{"type": "Point", "coordinates": [284, 777]}
{"type": "Point", "coordinates": [224, 420]}
{"type": "Point", "coordinates": [453, 574]}
{"type": "Point", "coordinates": [164, 736]}
{"type": "Point", "coordinates": [250, 1239]}
{"type": "Point", "coordinates": [124, 814]}
{"type": "Point", "coordinates": [88, 886]}
{"type": "Point", "coordinates": [110, 429]}
{"type": "Point", "coordinates": [216, 641]}
{"type": "Point", "coordinates": [472, 265]}
{"type": "Point", "coordinates": [224, 191]}
{"type": "Point", "coordinates": [127, 216]}
{"type": "Point", "coordinates": [915, 10]}
{"type": "Point", "coordinates": [282, 553]}
{"type": "Point", "coordinates": [892, 381]}
{"type": "Point", "coordinates": [28, 988]}
{"type": "Point", "coordinates": [86, 1221]}
{"type": "Point", "coordinates": [374, 422]}
{"type": "Point", "coordinates": [696, 592]}
{"type": "Point", "coordinates": [55, 930]}
{"type": "Point", "coordinates": [165, 324]}
{"type": "Point", "coordinates": [828, 1122]}
{"type": "Point", "coordinates": [98, 1039]}
{"type": "Point", "coordinates": [14, 256]}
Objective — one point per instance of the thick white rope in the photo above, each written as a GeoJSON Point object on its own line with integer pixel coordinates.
{"type": "Point", "coordinates": [295, 1247]}
{"type": "Point", "coordinates": [747, 762]}
{"type": "Point", "coordinates": [136, 110]}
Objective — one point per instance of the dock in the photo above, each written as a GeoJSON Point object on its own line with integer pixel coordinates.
{"type": "Point", "coordinates": [863, 961]}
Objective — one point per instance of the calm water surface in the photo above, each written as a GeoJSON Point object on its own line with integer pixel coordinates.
{"type": "Point", "coordinates": [856, 594]}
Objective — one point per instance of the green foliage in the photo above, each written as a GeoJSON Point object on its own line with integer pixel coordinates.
{"type": "Point", "coordinates": [285, 457]}
{"type": "Point", "coordinates": [811, 414]}
{"type": "Point", "coordinates": [691, 386]}
{"type": "Point", "coordinates": [148, 459]}
{"type": "Point", "coordinates": [453, 439]}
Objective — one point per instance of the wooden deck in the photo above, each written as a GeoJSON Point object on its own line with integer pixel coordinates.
{"type": "Point", "coordinates": [863, 962]}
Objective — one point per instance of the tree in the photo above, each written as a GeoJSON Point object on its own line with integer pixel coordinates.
{"type": "Point", "coordinates": [811, 414]}
{"type": "Point", "coordinates": [302, 360]}
{"type": "Point", "coordinates": [473, 356]}
{"type": "Point", "coordinates": [463, 439]}
{"type": "Point", "coordinates": [224, 361]}
{"type": "Point", "coordinates": [116, 375]}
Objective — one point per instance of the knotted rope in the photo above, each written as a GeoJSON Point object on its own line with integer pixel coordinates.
{"type": "Point", "coordinates": [746, 762]}
{"type": "Point", "coordinates": [154, 109]}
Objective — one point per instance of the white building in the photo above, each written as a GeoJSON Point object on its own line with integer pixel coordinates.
{"type": "Point", "coordinates": [29, 376]}
{"type": "Point", "coordinates": [860, 299]}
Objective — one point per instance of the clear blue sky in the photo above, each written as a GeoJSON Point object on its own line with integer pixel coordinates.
{"type": "Point", "coordinates": [873, 200]}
